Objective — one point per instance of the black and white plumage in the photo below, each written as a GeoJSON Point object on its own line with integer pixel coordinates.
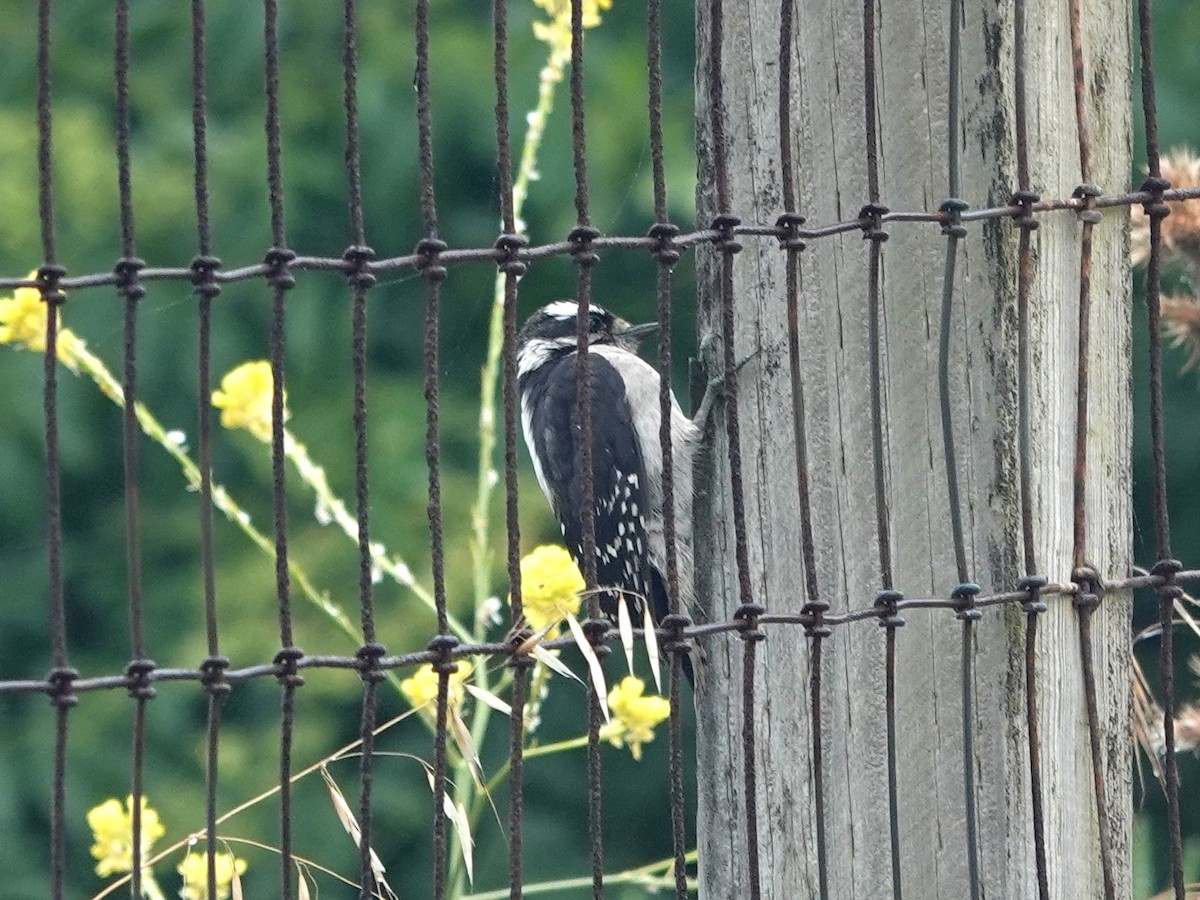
{"type": "Point", "coordinates": [626, 451]}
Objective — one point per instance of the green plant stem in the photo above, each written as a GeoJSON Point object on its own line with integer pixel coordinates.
{"type": "Point", "coordinates": [654, 877]}
{"type": "Point", "coordinates": [150, 888]}
{"type": "Point", "coordinates": [502, 773]}
{"type": "Point", "coordinates": [481, 556]}
{"type": "Point", "coordinates": [330, 508]}
{"type": "Point", "coordinates": [98, 372]}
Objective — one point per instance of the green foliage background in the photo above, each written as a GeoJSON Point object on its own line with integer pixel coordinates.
{"type": "Point", "coordinates": [319, 388]}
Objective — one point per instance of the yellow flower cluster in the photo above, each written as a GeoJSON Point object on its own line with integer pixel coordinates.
{"type": "Point", "coordinates": [421, 688]}
{"type": "Point", "coordinates": [112, 832]}
{"type": "Point", "coordinates": [23, 322]}
{"type": "Point", "coordinates": [194, 870]}
{"type": "Point", "coordinates": [245, 399]}
{"type": "Point", "coordinates": [550, 587]}
{"type": "Point", "coordinates": [634, 716]}
{"type": "Point", "coordinates": [557, 32]}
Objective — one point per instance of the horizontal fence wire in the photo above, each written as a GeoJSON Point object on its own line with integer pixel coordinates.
{"type": "Point", "coordinates": [566, 248]}
{"type": "Point", "coordinates": [511, 255]}
{"type": "Point", "coordinates": [386, 663]}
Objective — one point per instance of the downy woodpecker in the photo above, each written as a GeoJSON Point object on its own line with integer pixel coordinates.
{"type": "Point", "coordinates": [626, 453]}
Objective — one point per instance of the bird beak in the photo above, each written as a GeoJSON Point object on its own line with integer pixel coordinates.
{"type": "Point", "coordinates": [635, 333]}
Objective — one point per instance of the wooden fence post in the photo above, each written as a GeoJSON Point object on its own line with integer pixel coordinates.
{"type": "Point", "coordinates": [828, 137]}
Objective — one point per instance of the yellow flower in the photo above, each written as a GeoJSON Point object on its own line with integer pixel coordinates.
{"type": "Point", "coordinates": [245, 399]}
{"type": "Point", "coordinates": [23, 322]}
{"type": "Point", "coordinates": [550, 587]}
{"type": "Point", "coordinates": [422, 687]}
{"type": "Point", "coordinates": [561, 9]}
{"type": "Point", "coordinates": [557, 32]}
{"type": "Point", "coordinates": [112, 830]}
{"type": "Point", "coordinates": [633, 716]}
{"type": "Point", "coordinates": [194, 870]}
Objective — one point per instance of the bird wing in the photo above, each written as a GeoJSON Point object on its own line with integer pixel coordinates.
{"type": "Point", "coordinates": [619, 485]}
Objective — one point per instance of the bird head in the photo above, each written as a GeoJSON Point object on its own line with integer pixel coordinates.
{"type": "Point", "coordinates": [554, 327]}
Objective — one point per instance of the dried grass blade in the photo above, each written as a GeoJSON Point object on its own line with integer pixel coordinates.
{"type": "Point", "coordinates": [593, 662]}
{"type": "Point", "coordinates": [350, 823]}
{"type": "Point", "coordinates": [652, 646]}
{"type": "Point", "coordinates": [553, 663]}
{"type": "Point", "coordinates": [1187, 617]}
{"type": "Point", "coordinates": [466, 745]}
{"type": "Point", "coordinates": [457, 813]}
{"type": "Point", "coordinates": [625, 627]}
{"type": "Point", "coordinates": [489, 698]}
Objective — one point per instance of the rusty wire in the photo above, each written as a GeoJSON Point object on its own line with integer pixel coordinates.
{"type": "Point", "coordinates": [511, 255]}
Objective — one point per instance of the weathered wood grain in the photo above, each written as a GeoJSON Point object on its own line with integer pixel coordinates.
{"type": "Point", "coordinates": [830, 160]}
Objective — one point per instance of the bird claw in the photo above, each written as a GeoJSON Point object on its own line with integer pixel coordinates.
{"type": "Point", "coordinates": [715, 389]}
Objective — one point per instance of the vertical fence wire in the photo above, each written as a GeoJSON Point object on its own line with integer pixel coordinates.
{"type": "Point", "coordinates": [666, 255]}
{"type": "Point", "coordinates": [511, 268]}
{"type": "Point", "coordinates": [748, 612]}
{"type": "Point", "coordinates": [1023, 199]}
{"type": "Point", "coordinates": [204, 267]}
{"type": "Point", "coordinates": [585, 258]}
{"type": "Point", "coordinates": [433, 273]}
{"type": "Point", "coordinates": [965, 592]}
{"type": "Point", "coordinates": [1087, 598]}
{"type": "Point", "coordinates": [130, 289]}
{"type": "Point", "coordinates": [358, 255]}
{"type": "Point", "coordinates": [1166, 567]}
{"type": "Point", "coordinates": [204, 274]}
{"type": "Point", "coordinates": [788, 224]}
{"type": "Point", "coordinates": [61, 676]}
{"type": "Point", "coordinates": [871, 218]}
{"type": "Point", "coordinates": [280, 279]}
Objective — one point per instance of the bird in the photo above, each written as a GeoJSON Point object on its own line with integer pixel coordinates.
{"type": "Point", "coordinates": [627, 463]}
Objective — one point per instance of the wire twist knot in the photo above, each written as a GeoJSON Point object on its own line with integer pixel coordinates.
{"type": "Point", "coordinates": [787, 229]}
{"type": "Point", "coordinates": [443, 645]}
{"type": "Point", "coordinates": [965, 594]}
{"type": "Point", "coordinates": [429, 251]}
{"type": "Point", "coordinates": [725, 239]}
{"type": "Point", "coordinates": [581, 238]}
{"type": "Point", "coordinates": [596, 631]}
{"type": "Point", "coordinates": [1023, 217]}
{"type": "Point", "coordinates": [664, 249]}
{"type": "Point", "coordinates": [673, 625]}
{"type": "Point", "coordinates": [1167, 569]}
{"type": "Point", "coordinates": [212, 675]}
{"type": "Point", "coordinates": [58, 686]}
{"type": "Point", "coordinates": [747, 616]}
{"type": "Point", "coordinates": [1032, 585]}
{"type": "Point", "coordinates": [128, 284]}
{"type": "Point", "coordinates": [48, 277]}
{"type": "Point", "coordinates": [887, 607]}
{"type": "Point", "coordinates": [1156, 207]}
{"type": "Point", "coordinates": [368, 656]}
{"type": "Point", "coordinates": [812, 618]}
{"type": "Point", "coordinates": [359, 257]}
{"type": "Point", "coordinates": [520, 657]}
{"type": "Point", "coordinates": [286, 669]}
{"type": "Point", "coordinates": [204, 276]}
{"type": "Point", "coordinates": [138, 679]}
{"type": "Point", "coordinates": [952, 209]}
{"type": "Point", "coordinates": [509, 259]}
{"type": "Point", "coordinates": [1090, 588]}
{"type": "Point", "coordinates": [279, 276]}
{"type": "Point", "coordinates": [1088, 194]}
{"type": "Point", "coordinates": [870, 220]}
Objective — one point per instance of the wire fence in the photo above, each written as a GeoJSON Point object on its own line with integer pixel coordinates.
{"type": "Point", "coordinates": [511, 254]}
